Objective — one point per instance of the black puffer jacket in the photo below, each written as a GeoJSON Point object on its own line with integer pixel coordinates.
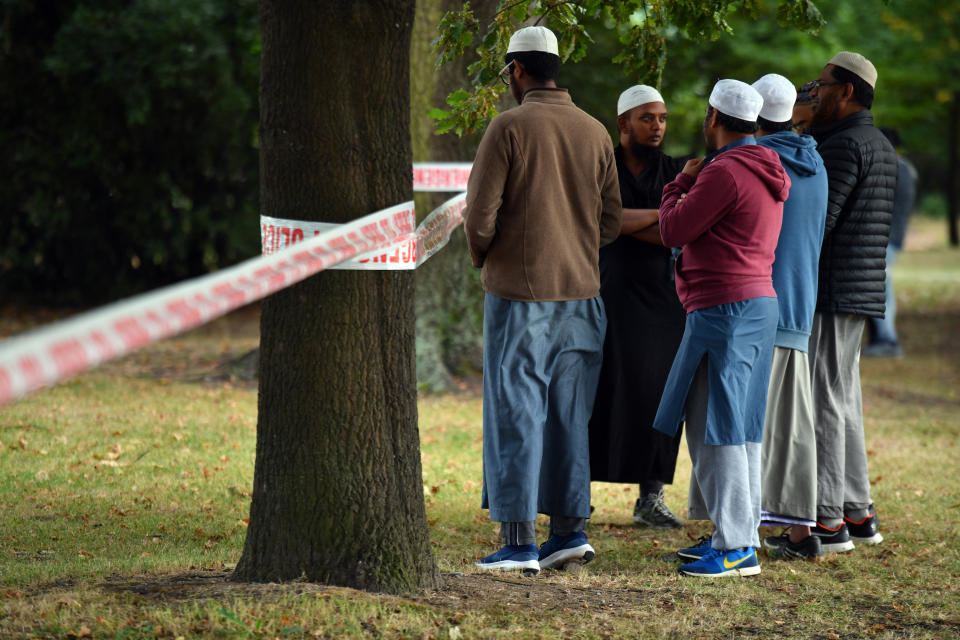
{"type": "Point", "coordinates": [862, 172]}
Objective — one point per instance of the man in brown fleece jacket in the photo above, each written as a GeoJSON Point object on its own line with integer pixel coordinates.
{"type": "Point", "coordinates": [543, 197]}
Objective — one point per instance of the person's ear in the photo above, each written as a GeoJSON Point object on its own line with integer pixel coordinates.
{"type": "Point", "coordinates": [713, 124]}
{"type": "Point", "coordinates": [622, 123]}
{"type": "Point", "coordinates": [847, 94]}
{"type": "Point", "coordinates": [518, 70]}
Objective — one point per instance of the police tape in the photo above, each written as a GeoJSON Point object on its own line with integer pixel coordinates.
{"type": "Point", "coordinates": [432, 234]}
{"type": "Point", "coordinates": [441, 176]}
{"type": "Point", "coordinates": [53, 353]}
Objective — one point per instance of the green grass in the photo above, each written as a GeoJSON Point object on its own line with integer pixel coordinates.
{"type": "Point", "coordinates": [123, 496]}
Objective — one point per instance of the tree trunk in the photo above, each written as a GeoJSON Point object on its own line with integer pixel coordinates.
{"type": "Point", "coordinates": [953, 170]}
{"type": "Point", "coordinates": [449, 296]}
{"type": "Point", "coordinates": [338, 494]}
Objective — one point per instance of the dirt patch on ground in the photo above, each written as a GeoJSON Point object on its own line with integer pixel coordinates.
{"type": "Point", "coordinates": [549, 590]}
{"type": "Point", "coordinates": [202, 584]}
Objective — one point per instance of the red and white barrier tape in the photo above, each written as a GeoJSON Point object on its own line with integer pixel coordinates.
{"type": "Point", "coordinates": [441, 176]}
{"type": "Point", "coordinates": [431, 235]}
{"type": "Point", "coordinates": [53, 353]}
{"type": "Point", "coordinates": [58, 351]}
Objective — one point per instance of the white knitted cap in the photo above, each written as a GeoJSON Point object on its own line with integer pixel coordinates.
{"type": "Point", "coordinates": [533, 39]}
{"type": "Point", "coordinates": [736, 99]}
{"type": "Point", "coordinates": [857, 64]}
{"type": "Point", "coordinates": [778, 95]}
{"type": "Point", "coordinates": [635, 96]}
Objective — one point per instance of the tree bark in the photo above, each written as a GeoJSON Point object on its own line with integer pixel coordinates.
{"type": "Point", "coordinates": [449, 299]}
{"type": "Point", "coordinates": [338, 494]}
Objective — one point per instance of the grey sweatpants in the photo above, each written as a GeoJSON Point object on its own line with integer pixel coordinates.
{"type": "Point", "coordinates": [725, 483]}
{"type": "Point", "coordinates": [843, 481]}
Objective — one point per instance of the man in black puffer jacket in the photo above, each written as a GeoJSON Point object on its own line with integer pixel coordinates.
{"type": "Point", "coordinates": [862, 174]}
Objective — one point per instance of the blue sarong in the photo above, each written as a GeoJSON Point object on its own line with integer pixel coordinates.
{"type": "Point", "coordinates": [541, 364]}
{"type": "Point", "coordinates": [737, 339]}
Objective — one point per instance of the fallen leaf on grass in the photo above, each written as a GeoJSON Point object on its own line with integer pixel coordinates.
{"type": "Point", "coordinates": [82, 632]}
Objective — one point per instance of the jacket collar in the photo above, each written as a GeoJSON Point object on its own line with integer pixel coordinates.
{"type": "Point", "coordinates": [739, 142]}
{"type": "Point", "coordinates": [856, 119]}
{"type": "Point", "coordinates": [547, 95]}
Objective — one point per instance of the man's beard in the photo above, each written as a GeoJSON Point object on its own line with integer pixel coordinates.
{"type": "Point", "coordinates": [825, 113]}
{"type": "Point", "coordinates": [645, 152]}
{"type": "Point", "coordinates": [706, 139]}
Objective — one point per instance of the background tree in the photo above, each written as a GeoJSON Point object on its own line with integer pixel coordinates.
{"type": "Point", "coordinates": [449, 320]}
{"type": "Point", "coordinates": [129, 137]}
{"type": "Point", "coordinates": [337, 493]}
{"type": "Point", "coordinates": [677, 46]}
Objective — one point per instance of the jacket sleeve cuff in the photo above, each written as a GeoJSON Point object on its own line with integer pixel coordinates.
{"type": "Point", "coordinates": [685, 181]}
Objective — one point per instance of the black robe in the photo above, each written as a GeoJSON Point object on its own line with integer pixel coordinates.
{"type": "Point", "coordinates": [644, 327]}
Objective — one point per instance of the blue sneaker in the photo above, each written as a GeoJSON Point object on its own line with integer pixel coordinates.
{"type": "Point", "coordinates": [720, 564]}
{"type": "Point", "coordinates": [698, 550]}
{"type": "Point", "coordinates": [511, 558]}
{"type": "Point", "coordinates": [559, 550]}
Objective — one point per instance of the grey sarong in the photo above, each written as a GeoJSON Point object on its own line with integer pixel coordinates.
{"type": "Point", "coordinates": [843, 481]}
{"type": "Point", "coordinates": [789, 452]}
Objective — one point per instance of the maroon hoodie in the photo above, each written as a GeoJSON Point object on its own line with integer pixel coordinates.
{"type": "Point", "coordinates": [727, 225]}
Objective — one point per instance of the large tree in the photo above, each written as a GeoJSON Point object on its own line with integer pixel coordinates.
{"type": "Point", "coordinates": [337, 493]}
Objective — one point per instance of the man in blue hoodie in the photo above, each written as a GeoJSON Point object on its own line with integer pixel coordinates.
{"type": "Point", "coordinates": [789, 452]}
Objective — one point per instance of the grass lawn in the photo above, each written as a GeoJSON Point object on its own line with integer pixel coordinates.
{"type": "Point", "coordinates": [124, 495]}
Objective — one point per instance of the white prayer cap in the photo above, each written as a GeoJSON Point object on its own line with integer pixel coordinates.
{"type": "Point", "coordinates": [736, 99]}
{"type": "Point", "coordinates": [858, 65]}
{"type": "Point", "coordinates": [778, 95]}
{"type": "Point", "coordinates": [533, 39]}
{"type": "Point", "coordinates": [635, 96]}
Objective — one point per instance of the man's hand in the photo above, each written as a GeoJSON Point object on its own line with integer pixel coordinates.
{"type": "Point", "coordinates": [693, 166]}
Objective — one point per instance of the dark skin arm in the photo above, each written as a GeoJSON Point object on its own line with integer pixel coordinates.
{"type": "Point", "coordinates": [634, 220]}
{"type": "Point", "coordinates": [651, 234]}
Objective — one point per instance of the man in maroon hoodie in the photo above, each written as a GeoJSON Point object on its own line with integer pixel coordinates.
{"type": "Point", "coordinates": [725, 213]}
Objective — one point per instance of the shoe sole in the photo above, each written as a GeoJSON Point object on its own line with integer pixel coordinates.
{"type": "Point", "coordinates": [837, 547]}
{"type": "Point", "coordinates": [732, 573]}
{"type": "Point", "coordinates": [874, 539]}
{"type": "Point", "coordinates": [529, 567]}
{"type": "Point", "coordinates": [582, 554]}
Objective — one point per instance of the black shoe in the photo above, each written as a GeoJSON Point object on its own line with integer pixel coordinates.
{"type": "Point", "coordinates": [780, 547]}
{"type": "Point", "coordinates": [865, 530]}
{"type": "Point", "coordinates": [833, 540]}
{"type": "Point", "coordinates": [652, 511]}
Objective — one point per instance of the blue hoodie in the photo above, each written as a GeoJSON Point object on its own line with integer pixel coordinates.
{"type": "Point", "coordinates": [798, 249]}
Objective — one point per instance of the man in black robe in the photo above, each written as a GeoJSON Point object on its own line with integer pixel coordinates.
{"type": "Point", "coordinates": [644, 318]}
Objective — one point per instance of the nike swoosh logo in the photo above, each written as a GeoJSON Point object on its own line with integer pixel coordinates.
{"type": "Point", "coordinates": [730, 565]}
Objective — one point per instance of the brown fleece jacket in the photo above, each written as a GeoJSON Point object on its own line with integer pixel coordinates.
{"type": "Point", "coordinates": [542, 198]}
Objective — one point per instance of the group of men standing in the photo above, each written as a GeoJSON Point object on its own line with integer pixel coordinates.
{"type": "Point", "coordinates": [629, 293]}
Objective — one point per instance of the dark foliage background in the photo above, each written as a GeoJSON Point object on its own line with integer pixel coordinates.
{"type": "Point", "coordinates": [129, 138]}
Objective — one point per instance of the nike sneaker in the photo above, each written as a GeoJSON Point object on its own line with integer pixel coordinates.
{"type": "Point", "coordinates": [722, 563]}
